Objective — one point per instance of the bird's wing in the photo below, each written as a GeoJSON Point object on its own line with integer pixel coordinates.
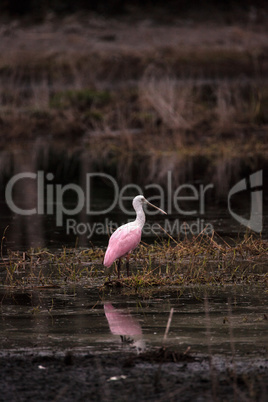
{"type": "Point", "coordinates": [122, 241]}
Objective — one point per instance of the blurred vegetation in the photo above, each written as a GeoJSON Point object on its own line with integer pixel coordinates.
{"type": "Point", "coordinates": [133, 91]}
{"type": "Point", "coordinates": [80, 99]}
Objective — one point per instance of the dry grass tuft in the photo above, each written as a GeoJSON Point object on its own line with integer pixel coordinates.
{"type": "Point", "coordinates": [200, 260]}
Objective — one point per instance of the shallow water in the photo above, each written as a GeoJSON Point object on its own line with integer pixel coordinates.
{"type": "Point", "coordinates": [228, 321]}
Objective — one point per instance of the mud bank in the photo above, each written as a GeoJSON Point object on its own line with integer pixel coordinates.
{"type": "Point", "coordinates": [116, 376]}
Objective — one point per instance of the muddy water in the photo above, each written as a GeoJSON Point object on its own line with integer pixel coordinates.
{"type": "Point", "coordinates": [225, 321]}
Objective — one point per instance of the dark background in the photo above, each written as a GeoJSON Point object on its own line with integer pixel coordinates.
{"type": "Point", "coordinates": [39, 8]}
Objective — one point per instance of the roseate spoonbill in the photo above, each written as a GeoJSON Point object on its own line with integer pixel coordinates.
{"type": "Point", "coordinates": [127, 237]}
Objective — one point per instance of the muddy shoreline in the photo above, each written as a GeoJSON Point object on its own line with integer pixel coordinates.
{"type": "Point", "coordinates": [126, 376]}
{"type": "Point", "coordinates": [62, 349]}
{"type": "Point", "coordinates": [58, 347]}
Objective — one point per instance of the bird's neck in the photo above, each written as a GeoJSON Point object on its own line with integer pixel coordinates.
{"type": "Point", "coordinates": [140, 218]}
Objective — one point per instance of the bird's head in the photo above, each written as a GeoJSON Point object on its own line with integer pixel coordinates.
{"type": "Point", "coordinates": [141, 200]}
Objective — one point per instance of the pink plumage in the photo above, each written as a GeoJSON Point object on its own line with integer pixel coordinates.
{"type": "Point", "coordinates": [123, 240]}
{"type": "Point", "coordinates": [128, 236]}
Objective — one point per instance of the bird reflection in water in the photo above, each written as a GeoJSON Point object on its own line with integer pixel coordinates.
{"type": "Point", "coordinates": [123, 324]}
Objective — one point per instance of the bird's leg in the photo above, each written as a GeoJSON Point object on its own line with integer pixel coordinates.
{"type": "Point", "coordinates": [127, 264]}
{"type": "Point", "coordinates": [118, 267]}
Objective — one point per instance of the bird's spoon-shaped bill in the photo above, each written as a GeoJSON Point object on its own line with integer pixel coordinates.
{"type": "Point", "coordinates": [152, 205]}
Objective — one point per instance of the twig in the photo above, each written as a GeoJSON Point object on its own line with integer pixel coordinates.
{"type": "Point", "coordinates": [168, 325]}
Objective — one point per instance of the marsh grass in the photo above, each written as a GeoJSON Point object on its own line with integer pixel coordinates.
{"type": "Point", "coordinates": [148, 92]}
{"type": "Point", "coordinates": [44, 268]}
{"type": "Point", "coordinates": [199, 260]}
{"type": "Point", "coordinates": [159, 102]}
{"type": "Point", "coordinates": [157, 122]}
{"type": "Point", "coordinates": [167, 103]}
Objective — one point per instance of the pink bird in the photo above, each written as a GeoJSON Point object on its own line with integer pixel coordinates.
{"type": "Point", "coordinates": [127, 237]}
